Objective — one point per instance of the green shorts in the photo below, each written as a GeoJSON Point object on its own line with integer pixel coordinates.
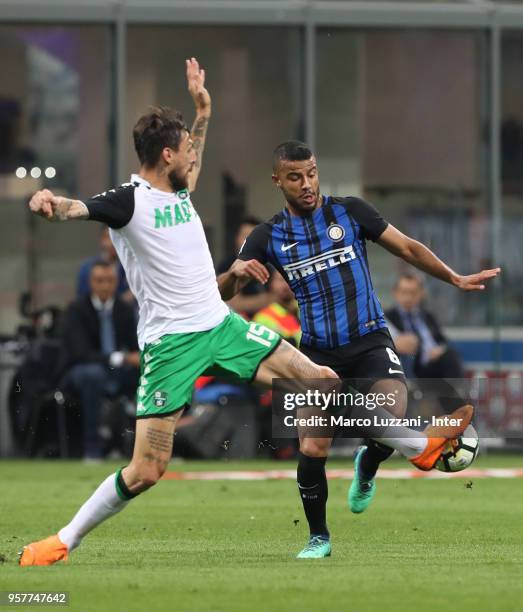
{"type": "Point", "coordinates": [171, 365]}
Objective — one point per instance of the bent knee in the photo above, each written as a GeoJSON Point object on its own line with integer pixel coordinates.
{"type": "Point", "coordinates": [145, 475]}
{"type": "Point", "coordinates": [315, 447]}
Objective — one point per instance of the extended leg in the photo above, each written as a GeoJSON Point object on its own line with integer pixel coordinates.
{"type": "Point", "coordinates": [312, 483]}
{"type": "Point", "coordinates": [152, 452]}
{"type": "Point", "coordinates": [376, 452]}
{"type": "Point", "coordinates": [287, 362]}
{"type": "Point", "coordinates": [369, 457]}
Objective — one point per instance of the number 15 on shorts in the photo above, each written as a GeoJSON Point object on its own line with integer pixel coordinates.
{"type": "Point", "coordinates": [260, 334]}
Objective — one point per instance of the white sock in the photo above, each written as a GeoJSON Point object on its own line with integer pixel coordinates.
{"type": "Point", "coordinates": [409, 447]}
{"type": "Point", "coordinates": [102, 504]}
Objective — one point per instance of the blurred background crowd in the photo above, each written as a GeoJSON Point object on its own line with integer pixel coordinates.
{"type": "Point", "coordinates": [415, 106]}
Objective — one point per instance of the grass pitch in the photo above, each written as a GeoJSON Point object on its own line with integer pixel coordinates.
{"type": "Point", "coordinates": [195, 545]}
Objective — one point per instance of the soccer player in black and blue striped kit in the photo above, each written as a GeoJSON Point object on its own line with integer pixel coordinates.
{"type": "Point", "coordinates": [318, 243]}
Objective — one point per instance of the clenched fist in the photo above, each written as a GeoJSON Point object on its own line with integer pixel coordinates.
{"type": "Point", "coordinates": [44, 203]}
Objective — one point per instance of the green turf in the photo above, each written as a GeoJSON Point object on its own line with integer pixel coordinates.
{"type": "Point", "coordinates": [193, 545]}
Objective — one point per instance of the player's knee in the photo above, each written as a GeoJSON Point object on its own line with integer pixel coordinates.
{"type": "Point", "coordinates": [149, 480]}
{"type": "Point", "coordinates": [326, 372]}
{"type": "Point", "coordinates": [314, 447]}
{"type": "Point", "coordinates": [146, 475]}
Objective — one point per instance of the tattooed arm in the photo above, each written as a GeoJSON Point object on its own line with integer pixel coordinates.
{"type": "Point", "coordinates": [202, 103]}
{"type": "Point", "coordinates": [198, 133]}
{"type": "Point", "coordinates": [57, 208]}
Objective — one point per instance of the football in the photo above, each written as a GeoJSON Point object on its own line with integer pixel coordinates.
{"type": "Point", "coordinates": [458, 454]}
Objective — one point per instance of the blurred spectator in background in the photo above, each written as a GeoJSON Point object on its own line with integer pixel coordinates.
{"type": "Point", "coordinates": [102, 350]}
{"type": "Point", "coordinates": [254, 296]}
{"type": "Point", "coordinates": [282, 314]}
{"type": "Point", "coordinates": [418, 336]}
{"type": "Point", "coordinates": [107, 253]}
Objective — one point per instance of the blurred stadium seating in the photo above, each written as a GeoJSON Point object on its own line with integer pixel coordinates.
{"type": "Point", "coordinates": [402, 106]}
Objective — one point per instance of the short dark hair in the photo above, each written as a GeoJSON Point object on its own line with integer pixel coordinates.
{"type": "Point", "coordinates": [291, 150]}
{"type": "Point", "coordinates": [159, 128]}
{"type": "Point", "coordinates": [101, 263]}
{"type": "Point", "coordinates": [411, 276]}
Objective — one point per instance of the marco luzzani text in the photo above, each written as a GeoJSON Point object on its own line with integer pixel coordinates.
{"type": "Point", "coordinates": [327, 401]}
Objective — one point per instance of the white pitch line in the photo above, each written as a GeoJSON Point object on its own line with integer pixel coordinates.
{"type": "Point", "coordinates": [345, 474]}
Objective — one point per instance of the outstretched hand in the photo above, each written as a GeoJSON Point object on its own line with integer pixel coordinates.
{"type": "Point", "coordinates": [196, 86]}
{"type": "Point", "coordinates": [44, 203]}
{"type": "Point", "coordinates": [475, 282]}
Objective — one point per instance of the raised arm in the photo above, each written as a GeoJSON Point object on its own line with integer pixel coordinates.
{"type": "Point", "coordinates": [202, 103]}
{"type": "Point", "coordinates": [420, 256]}
{"type": "Point", "coordinates": [57, 208]}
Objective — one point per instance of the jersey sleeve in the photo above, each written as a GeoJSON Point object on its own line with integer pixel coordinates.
{"type": "Point", "coordinates": [369, 219]}
{"type": "Point", "coordinates": [255, 246]}
{"type": "Point", "coordinates": [115, 207]}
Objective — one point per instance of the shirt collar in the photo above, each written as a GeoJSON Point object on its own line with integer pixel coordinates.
{"type": "Point", "coordinates": [98, 305]}
{"type": "Point", "coordinates": [414, 312]}
{"type": "Point", "coordinates": [136, 178]}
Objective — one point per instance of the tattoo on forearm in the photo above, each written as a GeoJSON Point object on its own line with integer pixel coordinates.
{"type": "Point", "coordinates": [200, 127]}
{"type": "Point", "coordinates": [61, 212]}
{"type": "Point", "coordinates": [70, 209]}
{"type": "Point", "coordinates": [198, 133]}
{"type": "Point", "coordinates": [160, 440]}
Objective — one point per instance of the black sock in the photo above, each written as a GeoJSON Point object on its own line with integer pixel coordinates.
{"type": "Point", "coordinates": [313, 489]}
{"type": "Point", "coordinates": [122, 489]}
{"type": "Point", "coordinates": [372, 457]}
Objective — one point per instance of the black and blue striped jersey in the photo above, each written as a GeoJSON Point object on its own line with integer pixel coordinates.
{"type": "Point", "coordinates": [323, 257]}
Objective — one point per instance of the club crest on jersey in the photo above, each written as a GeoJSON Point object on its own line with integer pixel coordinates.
{"type": "Point", "coordinates": [336, 232]}
{"type": "Point", "coordinates": [160, 399]}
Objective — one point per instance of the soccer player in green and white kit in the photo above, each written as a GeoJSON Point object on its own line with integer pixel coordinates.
{"type": "Point", "coordinates": [184, 329]}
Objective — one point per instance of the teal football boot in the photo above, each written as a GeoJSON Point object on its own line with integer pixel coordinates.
{"type": "Point", "coordinates": [360, 492]}
{"type": "Point", "coordinates": [317, 547]}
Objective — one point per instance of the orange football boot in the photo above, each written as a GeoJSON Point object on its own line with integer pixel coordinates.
{"type": "Point", "coordinates": [44, 552]}
{"type": "Point", "coordinates": [438, 435]}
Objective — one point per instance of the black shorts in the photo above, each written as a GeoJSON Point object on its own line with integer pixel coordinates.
{"type": "Point", "coordinates": [368, 359]}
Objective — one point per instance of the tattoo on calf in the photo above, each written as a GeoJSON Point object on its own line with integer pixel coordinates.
{"type": "Point", "coordinates": [160, 440]}
{"type": "Point", "coordinates": [156, 459]}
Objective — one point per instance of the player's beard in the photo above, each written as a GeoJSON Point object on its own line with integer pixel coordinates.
{"type": "Point", "coordinates": [177, 181]}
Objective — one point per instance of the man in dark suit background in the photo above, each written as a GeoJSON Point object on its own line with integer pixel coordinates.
{"type": "Point", "coordinates": [417, 334]}
{"type": "Point", "coordinates": [106, 253]}
{"type": "Point", "coordinates": [102, 350]}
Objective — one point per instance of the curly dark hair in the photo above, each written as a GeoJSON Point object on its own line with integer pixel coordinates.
{"type": "Point", "coordinates": [159, 128]}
